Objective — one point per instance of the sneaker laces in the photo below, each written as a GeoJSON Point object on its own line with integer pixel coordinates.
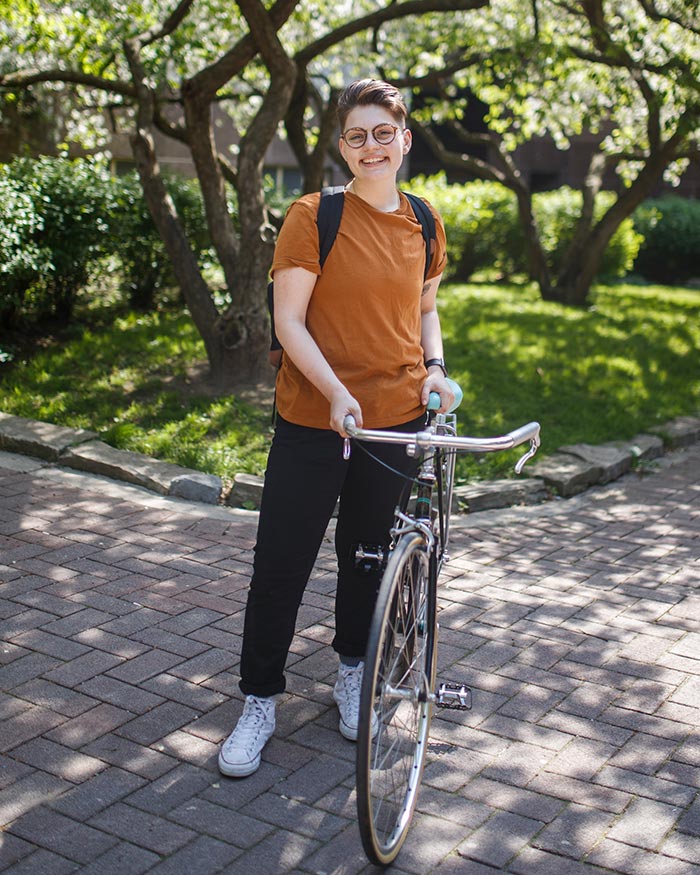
{"type": "Point", "coordinates": [352, 685]}
{"type": "Point", "coordinates": [251, 723]}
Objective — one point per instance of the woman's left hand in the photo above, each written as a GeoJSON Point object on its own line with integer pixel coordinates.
{"type": "Point", "coordinates": [436, 382]}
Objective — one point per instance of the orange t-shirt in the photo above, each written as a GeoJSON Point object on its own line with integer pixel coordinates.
{"type": "Point", "coordinates": [364, 311]}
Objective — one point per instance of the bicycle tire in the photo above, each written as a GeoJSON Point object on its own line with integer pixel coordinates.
{"type": "Point", "coordinates": [397, 686]}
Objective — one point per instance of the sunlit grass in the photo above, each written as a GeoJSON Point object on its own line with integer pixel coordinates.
{"type": "Point", "coordinates": [630, 361]}
{"type": "Point", "coordinates": [129, 382]}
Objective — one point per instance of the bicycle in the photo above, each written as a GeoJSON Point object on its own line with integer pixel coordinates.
{"type": "Point", "coordinates": [398, 689]}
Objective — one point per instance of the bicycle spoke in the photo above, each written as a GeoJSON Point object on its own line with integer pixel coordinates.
{"type": "Point", "coordinates": [399, 673]}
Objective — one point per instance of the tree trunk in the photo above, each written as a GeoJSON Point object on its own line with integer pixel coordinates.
{"type": "Point", "coordinates": [573, 285]}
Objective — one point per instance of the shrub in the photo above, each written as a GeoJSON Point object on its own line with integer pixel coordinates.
{"type": "Point", "coordinates": [57, 213]}
{"type": "Point", "coordinates": [483, 229]}
{"type": "Point", "coordinates": [146, 267]}
{"type": "Point", "coordinates": [22, 260]}
{"type": "Point", "coordinates": [557, 212]}
{"type": "Point", "coordinates": [670, 227]}
{"type": "Point", "coordinates": [481, 224]}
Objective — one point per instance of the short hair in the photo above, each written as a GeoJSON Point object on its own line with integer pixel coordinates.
{"type": "Point", "coordinates": [368, 92]}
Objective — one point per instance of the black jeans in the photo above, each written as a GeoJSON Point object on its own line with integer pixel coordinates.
{"type": "Point", "coordinates": [305, 475]}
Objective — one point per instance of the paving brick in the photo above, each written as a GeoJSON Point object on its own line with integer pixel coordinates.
{"type": "Point", "coordinates": [533, 861]}
{"type": "Point", "coordinates": [646, 786]}
{"type": "Point", "coordinates": [161, 721]}
{"type": "Point", "coordinates": [519, 800]}
{"type": "Point", "coordinates": [72, 673]}
{"type": "Point", "coordinates": [290, 814]}
{"type": "Point", "coordinates": [203, 856]}
{"type": "Point", "coordinates": [172, 789]}
{"type": "Point", "coordinates": [585, 682]}
{"type": "Point", "coordinates": [115, 692]}
{"type": "Point", "coordinates": [282, 851]}
{"type": "Point", "coordinates": [123, 859]}
{"type": "Point", "coordinates": [28, 724]}
{"type": "Point", "coordinates": [500, 838]}
{"type": "Point", "coordinates": [25, 668]}
{"type": "Point", "coordinates": [139, 669]}
{"type": "Point", "coordinates": [581, 758]}
{"type": "Point", "coordinates": [173, 643]}
{"type": "Point", "coordinates": [52, 645]}
{"type": "Point", "coordinates": [90, 725]}
{"type": "Point", "coordinates": [62, 835]}
{"type": "Point", "coordinates": [44, 862]}
{"type": "Point", "coordinates": [97, 793]}
{"type": "Point", "coordinates": [645, 823]}
{"type": "Point", "coordinates": [204, 666]}
{"type": "Point", "coordinates": [575, 831]}
{"type": "Point", "coordinates": [146, 830]}
{"type": "Point", "coordinates": [58, 760]}
{"type": "Point", "coordinates": [205, 817]}
{"type": "Point", "coordinates": [136, 758]}
{"type": "Point", "coordinates": [118, 645]}
{"type": "Point", "coordinates": [13, 849]}
{"type": "Point", "coordinates": [617, 857]}
{"type": "Point", "coordinates": [179, 690]}
{"type": "Point", "coordinates": [315, 779]}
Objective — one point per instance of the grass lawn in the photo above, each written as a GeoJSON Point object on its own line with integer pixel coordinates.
{"type": "Point", "coordinates": [630, 361]}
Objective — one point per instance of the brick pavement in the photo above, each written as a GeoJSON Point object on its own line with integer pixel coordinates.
{"type": "Point", "coordinates": [576, 623]}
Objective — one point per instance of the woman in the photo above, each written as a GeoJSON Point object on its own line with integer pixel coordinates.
{"type": "Point", "coordinates": [362, 337]}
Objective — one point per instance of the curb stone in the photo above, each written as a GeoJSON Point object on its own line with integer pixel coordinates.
{"type": "Point", "coordinates": [567, 472]}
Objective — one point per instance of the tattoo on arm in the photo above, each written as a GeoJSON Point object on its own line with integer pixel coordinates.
{"type": "Point", "coordinates": [425, 290]}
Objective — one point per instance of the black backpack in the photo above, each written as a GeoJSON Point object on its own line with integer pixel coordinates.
{"type": "Point", "coordinates": [330, 211]}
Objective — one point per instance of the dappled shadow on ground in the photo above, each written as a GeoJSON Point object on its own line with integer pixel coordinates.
{"type": "Point", "coordinates": [573, 622]}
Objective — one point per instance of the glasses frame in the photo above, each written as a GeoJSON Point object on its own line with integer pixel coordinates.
{"type": "Point", "coordinates": [366, 133]}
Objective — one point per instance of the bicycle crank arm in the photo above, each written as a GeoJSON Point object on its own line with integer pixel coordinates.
{"type": "Point", "coordinates": [455, 697]}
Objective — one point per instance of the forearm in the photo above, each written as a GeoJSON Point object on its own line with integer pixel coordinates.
{"type": "Point", "coordinates": [431, 335]}
{"type": "Point", "coordinates": [303, 350]}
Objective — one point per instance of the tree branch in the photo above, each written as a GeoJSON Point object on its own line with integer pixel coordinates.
{"type": "Point", "coordinates": [171, 23]}
{"type": "Point", "coordinates": [390, 12]}
{"type": "Point", "coordinates": [24, 78]}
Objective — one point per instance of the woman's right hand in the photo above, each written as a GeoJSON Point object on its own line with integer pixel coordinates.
{"type": "Point", "coordinates": [342, 404]}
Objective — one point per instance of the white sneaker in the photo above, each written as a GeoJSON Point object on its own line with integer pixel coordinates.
{"type": "Point", "coordinates": [347, 696]}
{"type": "Point", "coordinates": [240, 753]}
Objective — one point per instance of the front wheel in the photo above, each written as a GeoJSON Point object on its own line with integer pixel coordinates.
{"type": "Point", "coordinates": [396, 700]}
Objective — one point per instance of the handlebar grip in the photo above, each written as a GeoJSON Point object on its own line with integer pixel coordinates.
{"type": "Point", "coordinates": [434, 401]}
{"type": "Point", "coordinates": [531, 432]}
{"type": "Point", "coordinates": [349, 424]}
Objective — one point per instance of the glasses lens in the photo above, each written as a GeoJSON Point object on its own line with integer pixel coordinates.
{"type": "Point", "coordinates": [384, 134]}
{"type": "Point", "coordinates": [355, 137]}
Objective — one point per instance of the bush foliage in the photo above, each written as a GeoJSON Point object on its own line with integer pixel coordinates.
{"type": "Point", "coordinates": [61, 219]}
{"type": "Point", "coordinates": [670, 227]}
{"type": "Point", "coordinates": [484, 231]}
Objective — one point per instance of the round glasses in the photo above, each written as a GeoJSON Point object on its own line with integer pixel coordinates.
{"type": "Point", "coordinates": [382, 134]}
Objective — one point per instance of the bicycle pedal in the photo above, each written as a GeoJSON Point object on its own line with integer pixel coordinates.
{"type": "Point", "coordinates": [455, 697]}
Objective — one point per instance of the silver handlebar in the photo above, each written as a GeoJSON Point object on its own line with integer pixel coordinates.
{"type": "Point", "coordinates": [427, 439]}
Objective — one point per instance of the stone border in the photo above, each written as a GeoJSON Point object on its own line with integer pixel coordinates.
{"type": "Point", "coordinates": [569, 471]}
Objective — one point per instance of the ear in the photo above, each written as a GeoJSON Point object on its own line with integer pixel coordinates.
{"type": "Point", "coordinates": [407, 141]}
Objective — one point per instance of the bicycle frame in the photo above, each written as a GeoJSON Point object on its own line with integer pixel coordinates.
{"type": "Point", "coordinates": [398, 687]}
{"type": "Point", "coordinates": [436, 442]}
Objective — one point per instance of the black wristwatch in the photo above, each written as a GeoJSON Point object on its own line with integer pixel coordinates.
{"type": "Point", "coordinates": [439, 362]}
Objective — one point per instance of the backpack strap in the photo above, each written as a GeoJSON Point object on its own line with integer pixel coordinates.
{"type": "Point", "coordinates": [330, 212]}
{"type": "Point", "coordinates": [427, 221]}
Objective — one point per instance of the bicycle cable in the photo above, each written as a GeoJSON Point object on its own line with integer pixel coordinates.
{"type": "Point", "coordinates": [357, 442]}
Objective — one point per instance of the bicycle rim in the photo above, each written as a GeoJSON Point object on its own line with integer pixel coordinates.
{"type": "Point", "coordinates": [398, 680]}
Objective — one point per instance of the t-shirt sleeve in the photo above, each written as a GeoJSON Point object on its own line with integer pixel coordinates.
{"type": "Point", "coordinates": [439, 258]}
{"type": "Point", "coordinates": [297, 243]}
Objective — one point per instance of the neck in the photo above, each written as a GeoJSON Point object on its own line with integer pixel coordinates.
{"type": "Point", "coordinates": [381, 196]}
